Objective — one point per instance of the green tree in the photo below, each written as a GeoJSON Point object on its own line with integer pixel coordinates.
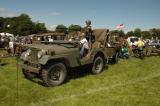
{"type": "Point", "coordinates": [24, 25]}
{"type": "Point", "coordinates": [158, 35]}
{"type": "Point", "coordinates": [114, 33]}
{"type": "Point", "coordinates": [118, 33]}
{"type": "Point", "coordinates": [61, 28]}
{"type": "Point", "coordinates": [39, 28]}
{"type": "Point", "coordinates": [1, 23]}
{"type": "Point", "coordinates": [146, 34]}
{"type": "Point", "coordinates": [121, 33]}
{"type": "Point", "coordinates": [130, 33]}
{"type": "Point", "coordinates": [155, 32]}
{"type": "Point", "coordinates": [21, 25]}
{"type": "Point", "coordinates": [137, 32]}
{"type": "Point", "coordinates": [74, 28]}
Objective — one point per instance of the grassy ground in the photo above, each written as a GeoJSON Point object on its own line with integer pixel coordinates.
{"type": "Point", "coordinates": [2, 51]}
{"type": "Point", "coordinates": [127, 83]}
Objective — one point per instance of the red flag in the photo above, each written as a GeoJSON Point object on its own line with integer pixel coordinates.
{"type": "Point", "coordinates": [120, 26]}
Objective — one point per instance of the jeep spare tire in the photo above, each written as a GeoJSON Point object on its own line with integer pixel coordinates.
{"type": "Point", "coordinates": [54, 75]}
{"type": "Point", "coordinates": [98, 64]}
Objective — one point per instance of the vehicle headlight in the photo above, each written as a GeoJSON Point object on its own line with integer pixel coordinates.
{"type": "Point", "coordinates": [28, 52]}
{"type": "Point", "coordinates": [25, 54]}
{"type": "Point", "coordinates": [40, 53]}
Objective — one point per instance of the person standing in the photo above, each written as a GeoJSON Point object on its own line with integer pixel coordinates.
{"type": "Point", "coordinates": [11, 47]}
{"type": "Point", "coordinates": [140, 43]}
{"type": "Point", "coordinates": [0, 42]}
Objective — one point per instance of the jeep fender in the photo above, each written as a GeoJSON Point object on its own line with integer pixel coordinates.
{"type": "Point", "coordinates": [46, 59]}
{"type": "Point", "coordinates": [99, 52]}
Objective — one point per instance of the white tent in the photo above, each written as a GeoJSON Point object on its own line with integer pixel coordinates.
{"type": "Point", "coordinates": [6, 34]}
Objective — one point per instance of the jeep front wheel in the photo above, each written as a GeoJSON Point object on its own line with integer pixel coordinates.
{"type": "Point", "coordinates": [54, 75]}
{"type": "Point", "coordinates": [97, 65]}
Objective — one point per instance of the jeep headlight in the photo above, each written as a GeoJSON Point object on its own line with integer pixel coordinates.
{"type": "Point", "coordinates": [25, 54]}
{"type": "Point", "coordinates": [41, 53]}
{"type": "Point", "coordinates": [28, 52]}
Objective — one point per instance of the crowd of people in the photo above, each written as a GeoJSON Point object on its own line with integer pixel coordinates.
{"type": "Point", "coordinates": [10, 43]}
{"type": "Point", "coordinates": [135, 44]}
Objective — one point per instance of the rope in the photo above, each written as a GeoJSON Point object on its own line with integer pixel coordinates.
{"type": "Point", "coordinates": [17, 93]}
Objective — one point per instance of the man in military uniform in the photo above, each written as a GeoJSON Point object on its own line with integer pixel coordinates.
{"type": "Point", "coordinates": [89, 36]}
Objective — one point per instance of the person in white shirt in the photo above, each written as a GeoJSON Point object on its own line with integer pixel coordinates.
{"type": "Point", "coordinates": [83, 44]}
{"type": "Point", "coordinates": [71, 39]}
{"type": "Point", "coordinates": [50, 40]}
{"type": "Point", "coordinates": [11, 46]}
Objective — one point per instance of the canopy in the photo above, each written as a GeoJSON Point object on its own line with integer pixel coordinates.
{"type": "Point", "coordinates": [6, 34]}
{"type": "Point", "coordinates": [100, 34]}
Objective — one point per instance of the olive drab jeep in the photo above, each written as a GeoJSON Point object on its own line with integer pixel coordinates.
{"type": "Point", "coordinates": [51, 60]}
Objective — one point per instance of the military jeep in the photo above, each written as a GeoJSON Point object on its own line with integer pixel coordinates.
{"type": "Point", "coordinates": [52, 60]}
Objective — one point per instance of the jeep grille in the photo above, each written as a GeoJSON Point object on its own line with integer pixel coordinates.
{"type": "Point", "coordinates": [34, 56]}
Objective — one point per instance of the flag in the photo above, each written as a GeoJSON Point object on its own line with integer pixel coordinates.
{"type": "Point", "coordinates": [120, 26]}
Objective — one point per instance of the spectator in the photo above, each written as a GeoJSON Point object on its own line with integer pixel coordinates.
{"type": "Point", "coordinates": [71, 39]}
{"type": "Point", "coordinates": [124, 52]}
{"type": "Point", "coordinates": [50, 39]}
{"type": "Point", "coordinates": [11, 46]}
{"type": "Point", "coordinates": [0, 42]}
{"type": "Point", "coordinates": [140, 43]}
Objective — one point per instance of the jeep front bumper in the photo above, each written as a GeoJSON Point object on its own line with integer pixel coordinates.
{"type": "Point", "coordinates": [31, 67]}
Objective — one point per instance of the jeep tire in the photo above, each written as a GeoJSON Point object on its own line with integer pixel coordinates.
{"type": "Point", "coordinates": [54, 75]}
{"type": "Point", "coordinates": [116, 58]}
{"type": "Point", "coordinates": [97, 66]}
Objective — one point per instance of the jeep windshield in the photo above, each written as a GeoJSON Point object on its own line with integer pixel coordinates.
{"type": "Point", "coordinates": [68, 44]}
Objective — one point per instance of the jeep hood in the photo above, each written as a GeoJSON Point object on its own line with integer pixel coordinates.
{"type": "Point", "coordinates": [58, 49]}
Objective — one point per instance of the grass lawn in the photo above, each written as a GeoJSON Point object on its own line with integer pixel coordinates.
{"type": "Point", "coordinates": [128, 83]}
{"type": "Point", "coordinates": [2, 51]}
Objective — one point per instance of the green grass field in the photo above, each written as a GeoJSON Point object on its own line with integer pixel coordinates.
{"type": "Point", "coordinates": [2, 51]}
{"type": "Point", "coordinates": [128, 83]}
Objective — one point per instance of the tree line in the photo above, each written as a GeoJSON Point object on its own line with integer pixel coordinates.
{"type": "Point", "coordinates": [152, 33]}
{"type": "Point", "coordinates": [23, 25]}
{"type": "Point", "coordinates": [63, 29]}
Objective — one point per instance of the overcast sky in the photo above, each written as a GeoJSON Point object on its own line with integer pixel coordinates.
{"type": "Point", "coordinates": [144, 14]}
